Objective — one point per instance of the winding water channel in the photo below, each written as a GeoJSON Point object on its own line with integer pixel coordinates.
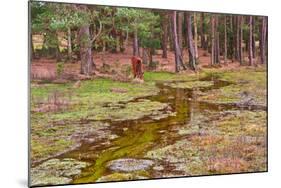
{"type": "Point", "coordinates": [136, 137]}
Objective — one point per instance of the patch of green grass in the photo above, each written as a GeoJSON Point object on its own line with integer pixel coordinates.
{"type": "Point", "coordinates": [246, 123]}
{"type": "Point", "coordinates": [96, 91]}
{"type": "Point", "coordinates": [56, 171]}
{"type": "Point", "coordinates": [120, 177]}
{"type": "Point", "coordinates": [44, 148]}
{"type": "Point", "coordinates": [48, 139]}
{"type": "Point", "coordinates": [87, 101]}
{"type": "Point", "coordinates": [99, 91]}
{"type": "Point", "coordinates": [228, 94]}
{"type": "Point", "coordinates": [44, 90]}
{"type": "Point", "coordinates": [167, 76]}
{"type": "Point", "coordinates": [129, 111]}
{"type": "Point", "coordinates": [191, 84]}
{"type": "Point", "coordinates": [248, 84]}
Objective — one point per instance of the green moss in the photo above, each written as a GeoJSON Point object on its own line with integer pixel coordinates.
{"type": "Point", "coordinates": [44, 90]}
{"type": "Point", "coordinates": [99, 91]}
{"type": "Point", "coordinates": [55, 171]}
{"type": "Point", "coordinates": [248, 85]}
{"type": "Point", "coordinates": [120, 177]}
{"type": "Point", "coordinates": [246, 123]}
{"type": "Point", "coordinates": [167, 76]}
{"type": "Point", "coordinates": [48, 140]}
{"type": "Point", "coordinates": [87, 101]}
{"type": "Point", "coordinates": [129, 111]}
{"type": "Point", "coordinates": [43, 148]}
{"type": "Point", "coordinates": [191, 84]}
{"type": "Point", "coordinates": [134, 143]}
{"type": "Point", "coordinates": [95, 100]}
{"type": "Point", "coordinates": [228, 94]}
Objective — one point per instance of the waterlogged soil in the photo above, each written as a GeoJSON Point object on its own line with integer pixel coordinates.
{"type": "Point", "coordinates": [182, 129]}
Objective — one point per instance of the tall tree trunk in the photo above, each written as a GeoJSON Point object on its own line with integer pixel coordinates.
{"type": "Point", "coordinates": [121, 41]}
{"type": "Point", "coordinates": [254, 39]}
{"type": "Point", "coordinates": [225, 40]}
{"type": "Point", "coordinates": [145, 56]}
{"type": "Point", "coordinates": [237, 51]}
{"type": "Point", "coordinates": [69, 45]}
{"type": "Point", "coordinates": [263, 40]}
{"type": "Point", "coordinates": [57, 43]}
{"type": "Point", "coordinates": [178, 55]}
{"type": "Point", "coordinates": [170, 33]}
{"type": "Point", "coordinates": [195, 36]}
{"type": "Point", "coordinates": [85, 50]}
{"type": "Point", "coordinates": [180, 21]}
{"type": "Point", "coordinates": [150, 58]}
{"type": "Point", "coordinates": [251, 59]}
{"type": "Point", "coordinates": [165, 35]}
{"type": "Point", "coordinates": [118, 46]}
{"type": "Point", "coordinates": [126, 40]}
{"type": "Point", "coordinates": [191, 47]}
{"type": "Point", "coordinates": [241, 57]}
{"type": "Point", "coordinates": [135, 43]}
{"type": "Point", "coordinates": [212, 40]}
{"type": "Point", "coordinates": [231, 39]}
{"type": "Point", "coordinates": [202, 31]}
{"type": "Point", "coordinates": [217, 41]}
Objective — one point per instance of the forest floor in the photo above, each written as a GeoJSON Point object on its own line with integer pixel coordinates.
{"type": "Point", "coordinates": [106, 128]}
{"type": "Point", "coordinates": [118, 65]}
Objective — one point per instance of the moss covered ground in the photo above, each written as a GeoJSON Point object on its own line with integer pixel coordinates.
{"type": "Point", "coordinates": [210, 142]}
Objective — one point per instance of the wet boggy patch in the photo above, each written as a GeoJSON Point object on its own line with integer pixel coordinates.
{"type": "Point", "coordinates": [192, 126]}
{"type": "Point", "coordinates": [56, 171]}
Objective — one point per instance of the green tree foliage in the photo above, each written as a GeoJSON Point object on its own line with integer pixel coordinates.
{"type": "Point", "coordinates": [112, 29]}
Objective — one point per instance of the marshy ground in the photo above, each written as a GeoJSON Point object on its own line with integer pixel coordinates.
{"type": "Point", "coordinates": [211, 122]}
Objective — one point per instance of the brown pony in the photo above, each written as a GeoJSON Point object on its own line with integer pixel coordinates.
{"type": "Point", "coordinates": [137, 67]}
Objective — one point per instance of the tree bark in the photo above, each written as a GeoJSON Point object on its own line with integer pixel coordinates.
{"type": "Point", "coordinates": [212, 40]}
{"type": "Point", "coordinates": [180, 21]}
{"type": "Point", "coordinates": [57, 50]}
{"type": "Point", "coordinates": [237, 51]}
{"type": "Point", "coordinates": [85, 50]}
{"type": "Point", "coordinates": [251, 59]}
{"type": "Point", "coordinates": [225, 40]}
{"type": "Point", "coordinates": [171, 38]}
{"type": "Point", "coordinates": [191, 47]}
{"type": "Point", "coordinates": [126, 40]}
{"type": "Point", "coordinates": [217, 41]}
{"type": "Point", "coordinates": [202, 31]}
{"type": "Point", "coordinates": [178, 55]}
{"type": "Point", "coordinates": [263, 40]}
{"type": "Point", "coordinates": [145, 58]}
{"type": "Point", "coordinates": [135, 43]}
{"type": "Point", "coordinates": [121, 41]}
{"type": "Point", "coordinates": [195, 36]}
{"type": "Point", "coordinates": [118, 46]}
{"type": "Point", "coordinates": [254, 39]}
{"type": "Point", "coordinates": [241, 58]}
{"type": "Point", "coordinates": [165, 35]}
{"type": "Point", "coordinates": [69, 45]}
{"type": "Point", "coordinates": [231, 39]}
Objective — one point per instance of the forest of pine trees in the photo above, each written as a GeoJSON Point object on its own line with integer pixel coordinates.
{"type": "Point", "coordinates": [92, 29]}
